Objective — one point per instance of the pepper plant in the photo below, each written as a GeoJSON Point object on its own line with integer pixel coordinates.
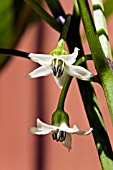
{"type": "Point", "coordinates": [65, 66]}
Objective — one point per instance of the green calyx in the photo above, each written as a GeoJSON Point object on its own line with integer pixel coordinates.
{"type": "Point", "coordinates": [60, 117]}
{"type": "Point", "coordinates": [59, 50]}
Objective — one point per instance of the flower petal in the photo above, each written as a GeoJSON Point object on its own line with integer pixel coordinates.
{"type": "Point", "coordinates": [74, 130]}
{"type": "Point", "coordinates": [79, 132]}
{"type": "Point", "coordinates": [33, 130]}
{"type": "Point", "coordinates": [79, 72]}
{"type": "Point", "coordinates": [68, 141]}
{"type": "Point", "coordinates": [70, 58]}
{"type": "Point", "coordinates": [40, 71]}
{"type": "Point", "coordinates": [60, 81]}
{"type": "Point", "coordinates": [36, 131]}
{"type": "Point", "coordinates": [64, 127]}
{"type": "Point", "coordinates": [42, 59]}
{"type": "Point", "coordinates": [44, 126]}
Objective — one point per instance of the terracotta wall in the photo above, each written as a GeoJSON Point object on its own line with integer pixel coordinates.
{"type": "Point", "coordinates": [22, 100]}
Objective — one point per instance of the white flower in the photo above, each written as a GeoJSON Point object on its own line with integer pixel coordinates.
{"type": "Point", "coordinates": [60, 66]}
{"type": "Point", "coordinates": [61, 134]}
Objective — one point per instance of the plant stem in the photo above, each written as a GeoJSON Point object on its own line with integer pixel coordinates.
{"type": "Point", "coordinates": [101, 64]}
{"type": "Point", "coordinates": [99, 131]}
{"type": "Point", "coordinates": [44, 15]}
{"type": "Point", "coordinates": [55, 8]}
{"type": "Point", "coordinates": [68, 78]}
{"type": "Point", "coordinates": [14, 52]}
{"type": "Point", "coordinates": [65, 27]}
{"type": "Point", "coordinates": [89, 99]}
{"type": "Point", "coordinates": [83, 59]}
{"type": "Point", "coordinates": [95, 119]}
{"type": "Point", "coordinates": [63, 93]}
{"type": "Point", "coordinates": [67, 83]}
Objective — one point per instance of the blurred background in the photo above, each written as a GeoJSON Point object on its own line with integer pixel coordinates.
{"type": "Point", "coordinates": [23, 100]}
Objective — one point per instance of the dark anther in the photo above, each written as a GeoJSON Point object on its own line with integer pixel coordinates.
{"type": "Point", "coordinates": [54, 69]}
{"type": "Point", "coordinates": [59, 136]}
{"type": "Point", "coordinates": [60, 71]}
{"type": "Point", "coordinates": [62, 136]}
{"type": "Point", "coordinates": [54, 135]}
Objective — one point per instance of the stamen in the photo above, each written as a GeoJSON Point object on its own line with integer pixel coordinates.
{"type": "Point", "coordinates": [54, 69]}
{"type": "Point", "coordinates": [58, 67]}
{"type": "Point", "coordinates": [54, 136]}
{"type": "Point", "coordinates": [59, 136]}
{"type": "Point", "coordinates": [62, 136]}
{"type": "Point", "coordinates": [60, 71]}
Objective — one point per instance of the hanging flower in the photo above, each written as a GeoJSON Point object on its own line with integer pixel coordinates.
{"type": "Point", "coordinates": [60, 133]}
{"type": "Point", "coordinates": [60, 63]}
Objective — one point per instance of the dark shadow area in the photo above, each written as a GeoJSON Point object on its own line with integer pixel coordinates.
{"type": "Point", "coordinates": [40, 107]}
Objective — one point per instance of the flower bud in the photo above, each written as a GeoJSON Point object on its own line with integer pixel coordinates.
{"type": "Point", "coordinates": [60, 117]}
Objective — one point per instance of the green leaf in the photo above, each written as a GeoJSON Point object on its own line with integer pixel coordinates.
{"type": "Point", "coordinates": [6, 26]}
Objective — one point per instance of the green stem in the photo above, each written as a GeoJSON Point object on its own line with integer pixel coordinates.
{"type": "Point", "coordinates": [95, 119]}
{"type": "Point", "coordinates": [68, 78]}
{"type": "Point", "coordinates": [68, 81]}
{"type": "Point", "coordinates": [101, 64]}
{"type": "Point", "coordinates": [14, 52]}
{"type": "Point", "coordinates": [99, 131]}
{"type": "Point", "coordinates": [44, 15]}
{"type": "Point", "coordinates": [83, 59]}
{"type": "Point", "coordinates": [63, 93]}
{"type": "Point", "coordinates": [55, 8]}
{"type": "Point", "coordinates": [65, 27]}
{"type": "Point", "coordinates": [90, 101]}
